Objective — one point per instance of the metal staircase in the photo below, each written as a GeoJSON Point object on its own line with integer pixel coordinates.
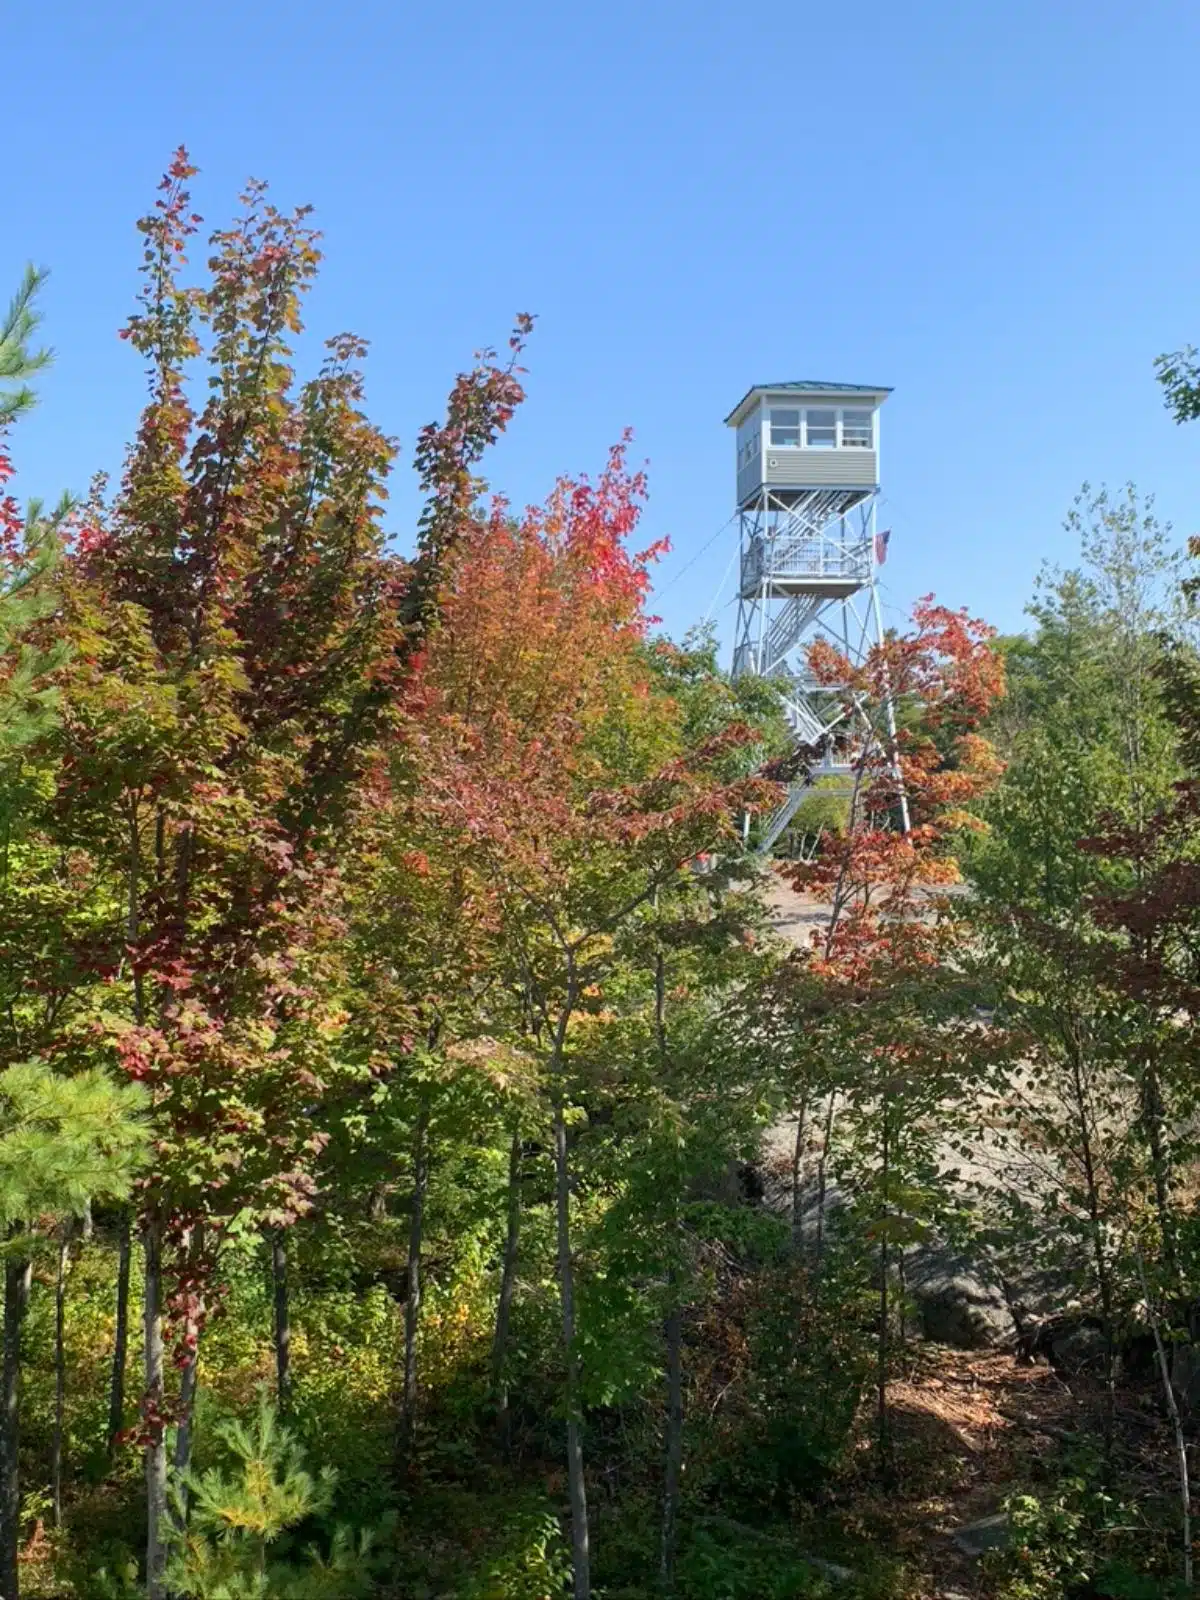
{"type": "Point", "coordinates": [807, 487]}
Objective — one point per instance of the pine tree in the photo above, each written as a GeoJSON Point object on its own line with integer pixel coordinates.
{"type": "Point", "coordinates": [239, 1511]}
{"type": "Point", "coordinates": [17, 361]}
{"type": "Point", "coordinates": [29, 547]}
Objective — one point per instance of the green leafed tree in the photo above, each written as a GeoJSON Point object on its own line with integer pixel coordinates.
{"type": "Point", "coordinates": [1089, 1100]}
{"type": "Point", "coordinates": [64, 1141]}
{"type": "Point", "coordinates": [1179, 374]}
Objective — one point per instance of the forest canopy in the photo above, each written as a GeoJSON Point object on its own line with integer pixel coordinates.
{"type": "Point", "coordinates": [440, 1154]}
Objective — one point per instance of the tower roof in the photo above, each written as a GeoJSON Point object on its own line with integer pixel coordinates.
{"type": "Point", "coordinates": [872, 391]}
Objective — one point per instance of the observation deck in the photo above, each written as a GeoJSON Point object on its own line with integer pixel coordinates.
{"type": "Point", "coordinates": [782, 564]}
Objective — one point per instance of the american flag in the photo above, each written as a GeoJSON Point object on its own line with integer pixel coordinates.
{"type": "Point", "coordinates": [881, 544]}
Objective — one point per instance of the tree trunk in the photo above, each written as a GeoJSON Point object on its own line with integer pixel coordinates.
{"type": "Point", "coordinates": [885, 1444]}
{"type": "Point", "coordinates": [674, 1440]}
{"type": "Point", "coordinates": [508, 1281]}
{"type": "Point", "coordinates": [283, 1319]}
{"type": "Point", "coordinates": [673, 1468]}
{"type": "Point", "coordinates": [156, 1444]}
{"type": "Point", "coordinates": [576, 1487]}
{"type": "Point", "coordinates": [1154, 1121]}
{"type": "Point", "coordinates": [18, 1275]}
{"type": "Point", "coordinates": [660, 998]}
{"type": "Point", "coordinates": [133, 912]}
{"type": "Point", "coordinates": [182, 1460]}
{"type": "Point", "coordinates": [60, 1378]}
{"type": "Point", "coordinates": [822, 1180]}
{"type": "Point", "coordinates": [1180, 1438]}
{"type": "Point", "coordinates": [798, 1172]}
{"type": "Point", "coordinates": [116, 1400]}
{"type": "Point", "coordinates": [1096, 1221]}
{"type": "Point", "coordinates": [189, 1373]}
{"type": "Point", "coordinates": [412, 1304]}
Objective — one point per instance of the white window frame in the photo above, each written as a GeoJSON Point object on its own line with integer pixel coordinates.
{"type": "Point", "coordinates": [839, 443]}
{"type": "Point", "coordinates": [750, 443]}
{"type": "Point", "coordinates": [799, 444]}
{"type": "Point", "coordinates": [837, 427]}
{"type": "Point", "coordinates": [868, 411]}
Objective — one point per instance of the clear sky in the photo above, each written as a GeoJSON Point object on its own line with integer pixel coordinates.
{"type": "Point", "coordinates": [992, 207]}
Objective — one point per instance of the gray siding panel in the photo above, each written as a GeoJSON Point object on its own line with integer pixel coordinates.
{"type": "Point", "coordinates": [809, 469]}
{"type": "Point", "coordinates": [849, 469]}
{"type": "Point", "coordinates": [749, 479]}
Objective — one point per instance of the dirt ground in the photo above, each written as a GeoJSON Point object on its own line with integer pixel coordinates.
{"type": "Point", "coordinates": [968, 1428]}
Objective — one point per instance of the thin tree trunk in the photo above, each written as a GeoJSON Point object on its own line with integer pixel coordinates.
{"type": "Point", "coordinates": [660, 998]}
{"type": "Point", "coordinates": [508, 1281]}
{"type": "Point", "coordinates": [18, 1275]}
{"type": "Point", "coordinates": [798, 1173]}
{"type": "Point", "coordinates": [183, 1433]}
{"type": "Point", "coordinates": [1181, 1460]}
{"type": "Point", "coordinates": [885, 1446]}
{"type": "Point", "coordinates": [412, 1305]}
{"type": "Point", "coordinates": [116, 1400]}
{"type": "Point", "coordinates": [188, 1377]}
{"type": "Point", "coordinates": [283, 1318]}
{"type": "Point", "coordinates": [154, 1396]}
{"type": "Point", "coordinates": [133, 914]}
{"type": "Point", "coordinates": [156, 1444]}
{"type": "Point", "coordinates": [1096, 1221]}
{"type": "Point", "coordinates": [822, 1180]}
{"type": "Point", "coordinates": [1153, 1120]}
{"type": "Point", "coordinates": [673, 1469]}
{"type": "Point", "coordinates": [674, 1442]}
{"type": "Point", "coordinates": [60, 1377]}
{"type": "Point", "coordinates": [576, 1487]}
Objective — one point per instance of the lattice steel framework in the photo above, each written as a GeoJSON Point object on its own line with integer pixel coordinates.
{"type": "Point", "coordinates": [808, 571]}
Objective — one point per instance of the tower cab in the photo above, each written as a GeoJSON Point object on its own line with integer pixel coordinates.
{"type": "Point", "coordinates": [797, 438]}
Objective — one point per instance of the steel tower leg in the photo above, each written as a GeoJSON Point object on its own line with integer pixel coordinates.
{"type": "Point", "coordinates": [806, 573]}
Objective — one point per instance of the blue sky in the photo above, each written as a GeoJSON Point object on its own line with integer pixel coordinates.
{"type": "Point", "coordinates": [991, 207]}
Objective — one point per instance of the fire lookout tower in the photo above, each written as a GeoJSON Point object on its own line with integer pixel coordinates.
{"type": "Point", "coordinates": [807, 487]}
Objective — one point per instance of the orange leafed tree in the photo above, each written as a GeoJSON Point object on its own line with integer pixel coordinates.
{"type": "Point", "coordinates": [942, 679]}
{"type": "Point", "coordinates": [878, 1046]}
{"type": "Point", "coordinates": [549, 761]}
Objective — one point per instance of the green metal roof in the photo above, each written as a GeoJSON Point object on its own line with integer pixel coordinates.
{"type": "Point", "coordinates": [809, 386]}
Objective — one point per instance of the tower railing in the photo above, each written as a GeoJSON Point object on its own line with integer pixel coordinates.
{"type": "Point", "coordinates": [818, 559]}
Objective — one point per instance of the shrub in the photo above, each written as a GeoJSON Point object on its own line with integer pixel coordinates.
{"type": "Point", "coordinates": [237, 1515]}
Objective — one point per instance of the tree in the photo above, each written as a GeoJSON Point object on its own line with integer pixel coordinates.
{"type": "Point", "coordinates": [562, 771]}
{"type": "Point", "coordinates": [239, 629]}
{"type": "Point", "coordinates": [1179, 375]}
{"type": "Point", "coordinates": [18, 362]}
{"type": "Point", "coordinates": [64, 1142]}
{"type": "Point", "coordinates": [1079, 908]}
{"type": "Point", "coordinates": [879, 995]}
{"type": "Point", "coordinates": [238, 1512]}
{"type": "Point", "coordinates": [64, 1139]}
{"type": "Point", "coordinates": [1096, 756]}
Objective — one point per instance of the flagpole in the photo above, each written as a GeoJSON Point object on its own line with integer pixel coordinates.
{"type": "Point", "coordinates": [881, 544]}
